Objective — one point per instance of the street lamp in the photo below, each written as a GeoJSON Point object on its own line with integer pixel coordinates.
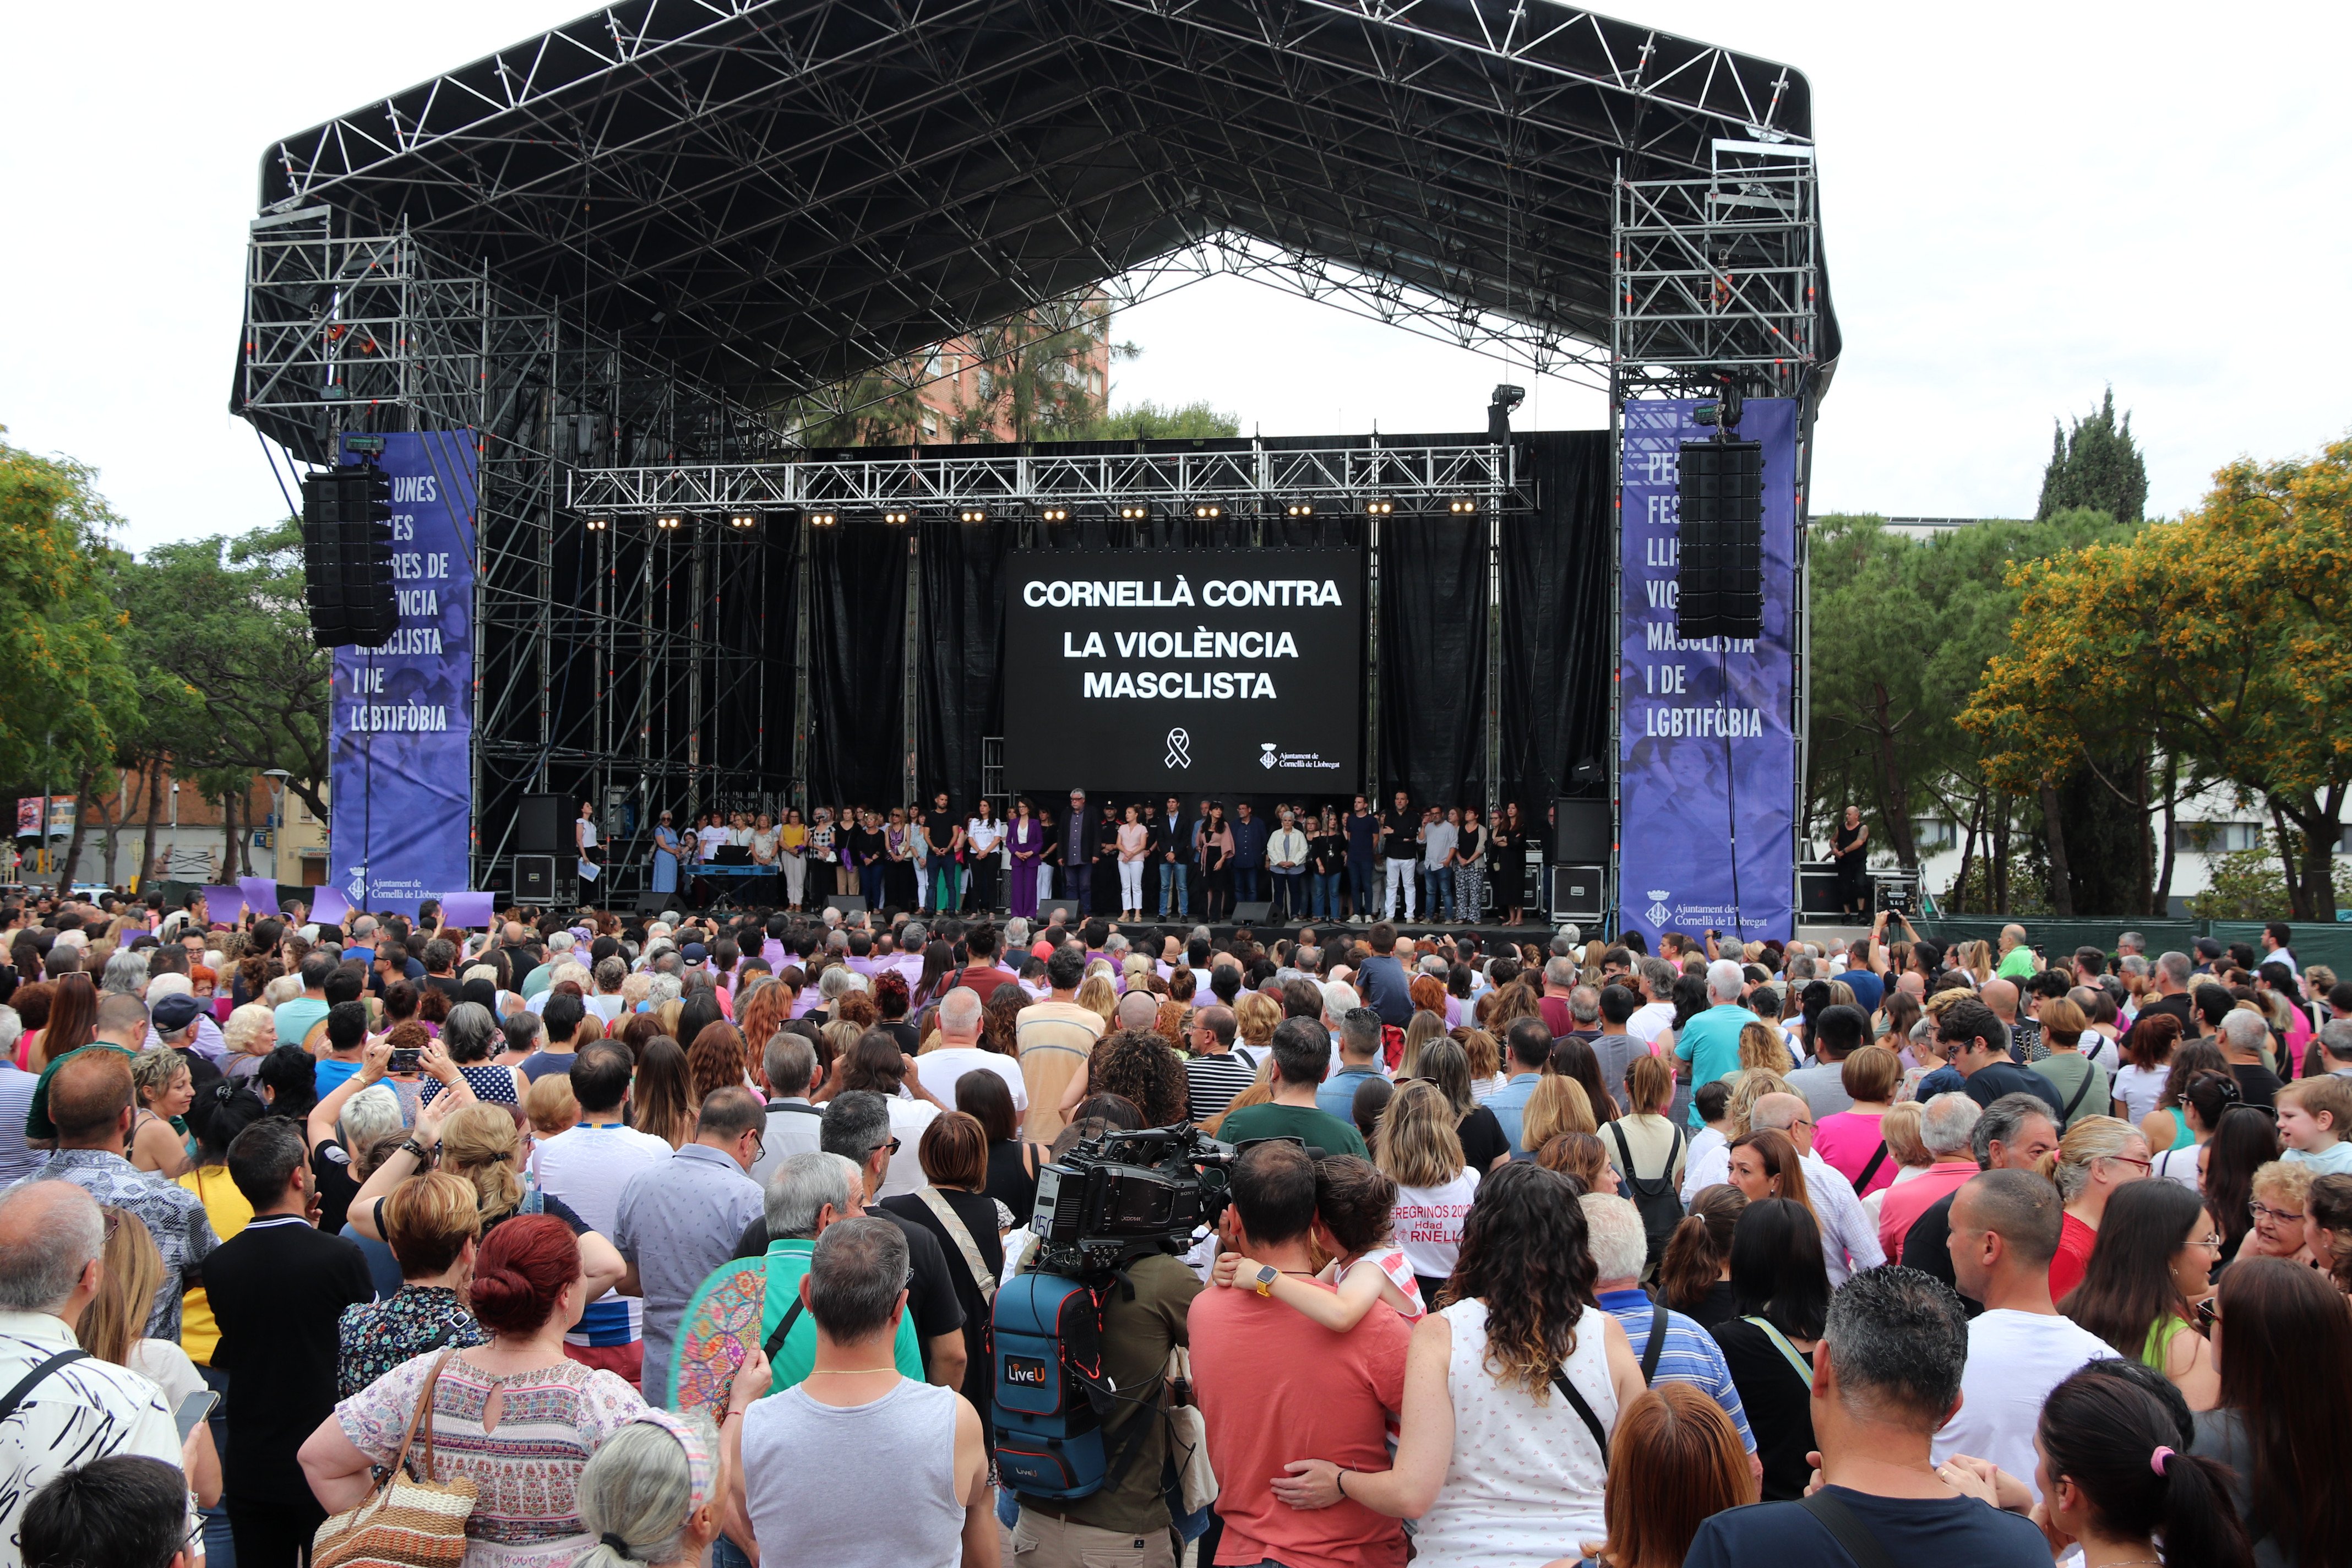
{"type": "Point", "coordinates": [276, 777]}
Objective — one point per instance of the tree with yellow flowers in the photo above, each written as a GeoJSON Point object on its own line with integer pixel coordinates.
{"type": "Point", "coordinates": [2224, 639]}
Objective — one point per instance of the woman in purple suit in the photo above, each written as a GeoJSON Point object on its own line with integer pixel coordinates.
{"type": "Point", "coordinates": [1025, 837]}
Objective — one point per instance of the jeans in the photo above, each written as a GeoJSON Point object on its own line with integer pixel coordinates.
{"type": "Point", "coordinates": [1400, 886]}
{"type": "Point", "coordinates": [725, 1554]}
{"type": "Point", "coordinates": [1437, 892]}
{"type": "Point", "coordinates": [947, 885]}
{"type": "Point", "coordinates": [1172, 878]}
{"type": "Point", "coordinates": [1077, 888]}
{"type": "Point", "coordinates": [220, 1547]}
{"type": "Point", "coordinates": [1359, 889]}
{"type": "Point", "coordinates": [1290, 894]}
{"type": "Point", "coordinates": [869, 886]}
{"type": "Point", "coordinates": [1248, 882]}
{"type": "Point", "coordinates": [1325, 904]}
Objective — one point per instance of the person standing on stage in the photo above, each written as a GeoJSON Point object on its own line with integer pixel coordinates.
{"type": "Point", "coordinates": [1470, 869]}
{"type": "Point", "coordinates": [1507, 874]}
{"type": "Point", "coordinates": [1105, 860]}
{"type": "Point", "coordinates": [1077, 848]}
{"type": "Point", "coordinates": [764, 842]}
{"type": "Point", "coordinates": [867, 853]}
{"type": "Point", "coordinates": [1027, 841]}
{"type": "Point", "coordinates": [1216, 866]}
{"type": "Point", "coordinates": [1134, 844]}
{"type": "Point", "coordinates": [1401, 844]}
{"type": "Point", "coordinates": [583, 835]}
{"type": "Point", "coordinates": [845, 824]}
{"type": "Point", "coordinates": [792, 854]}
{"type": "Point", "coordinates": [1174, 833]}
{"type": "Point", "coordinates": [901, 884]}
{"type": "Point", "coordinates": [821, 853]}
{"type": "Point", "coordinates": [1286, 856]}
{"type": "Point", "coordinates": [1362, 831]}
{"type": "Point", "coordinates": [985, 835]}
{"type": "Point", "coordinates": [1850, 849]}
{"type": "Point", "coordinates": [1438, 833]}
{"type": "Point", "coordinates": [1249, 855]}
{"type": "Point", "coordinates": [943, 836]}
{"type": "Point", "coordinates": [667, 856]}
{"type": "Point", "coordinates": [1326, 863]}
{"type": "Point", "coordinates": [1049, 856]}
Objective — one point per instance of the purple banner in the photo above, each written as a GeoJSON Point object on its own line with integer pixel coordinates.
{"type": "Point", "coordinates": [402, 714]}
{"type": "Point", "coordinates": [1687, 709]}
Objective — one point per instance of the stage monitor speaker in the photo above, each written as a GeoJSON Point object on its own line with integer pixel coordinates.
{"type": "Point", "coordinates": [651, 904]}
{"type": "Point", "coordinates": [1581, 832]}
{"type": "Point", "coordinates": [347, 556]}
{"type": "Point", "coordinates": [1817, 887]}
{"type": "Point", "coordinates": [1719, 589]}
{"type": "Point", "coordinates": [534, 878]}
{"type": "Point", "coordinates": [1255, 912]}
{"type": "Point", "coordinates": [539, 826]}
{"type": "Point", "coordinates": [847, 903]}
{"type": "Point", "coordinates": [1577, 891]}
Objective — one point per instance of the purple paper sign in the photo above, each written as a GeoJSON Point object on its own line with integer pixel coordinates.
{"type": "Point", "coordinates": [327, 906]}
{"type": "Point", "coordinates": [1705, 729]}
{"type": "Point", "coordinates": [469, 909]}
{"type": "Point", "coordinates": [260, 893]}
{"type": "Point", "coordinates": [403, 713]}
{"type": "Point", "coordinates": [223, 903]}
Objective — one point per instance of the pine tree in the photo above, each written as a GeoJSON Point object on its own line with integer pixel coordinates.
{"type": "Point", "coordinates": [2097, 465]}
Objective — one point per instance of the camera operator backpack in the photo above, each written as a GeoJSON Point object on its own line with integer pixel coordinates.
{"type": "Point", "coordinates": [1047, 1350]}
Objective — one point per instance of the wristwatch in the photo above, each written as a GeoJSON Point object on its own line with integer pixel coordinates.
{"type": "Point", "coordinates": [1267, 1274]}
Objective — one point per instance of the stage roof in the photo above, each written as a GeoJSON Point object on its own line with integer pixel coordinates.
{"type": "Point", "coordinates": [775, 195]}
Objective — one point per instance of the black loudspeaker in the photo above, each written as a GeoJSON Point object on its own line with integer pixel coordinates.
{"type": "Point", "coordinates": [1255, 913]}
{"type": "Point", "coordinates": [539, 826]}
{"type": "Point", "coordinates": [1817, 889]}
{"type": "Point", "coordinates": [1581, 832]}
{"type": "Point", "coordinates": [534, 878]}
{"type": "Point", "coordinates": [1720, 578]}
{"type": "Point", "coordinates": [847, 903]}
{"type": "Point", "coordinates": [652, 904]}
{"type": "Point", "coordinates": [1577, 892]}
{"type": "Point", "coordinates": [347, 557]}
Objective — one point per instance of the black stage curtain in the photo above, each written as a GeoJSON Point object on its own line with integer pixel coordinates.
{"type": "Point", "coordinates": [960, 675]}
{"type": "Point", "coordinates": [857, 661]}
{"type": "Point", "coordinates": [1433, 658]}
{"type": "Point", "coordinates": [1556, 619]}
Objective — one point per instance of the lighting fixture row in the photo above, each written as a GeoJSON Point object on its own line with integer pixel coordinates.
{"type": "Point", "coordinates": [1128, 511]}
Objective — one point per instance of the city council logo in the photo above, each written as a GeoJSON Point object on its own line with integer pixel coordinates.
{"type": "Point", "coordinates": [1265, 754]}
{"type": "Point", "coordinates": [1657, 912]}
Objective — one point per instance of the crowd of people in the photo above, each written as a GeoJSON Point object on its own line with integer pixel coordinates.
{"type": "Point", "coordinates": [1443, 864]}
{"type": "Point", "coordinates": [587, 1241]}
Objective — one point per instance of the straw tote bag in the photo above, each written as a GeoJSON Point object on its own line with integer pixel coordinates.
{"type": "Point", "coordinates": [407, 1524]}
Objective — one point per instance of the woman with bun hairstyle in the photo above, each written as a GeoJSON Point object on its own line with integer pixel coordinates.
{"type": "Point", "coordinates": [1695, 1276]}
{"type": "Point", "coordinates": [516, 1417]}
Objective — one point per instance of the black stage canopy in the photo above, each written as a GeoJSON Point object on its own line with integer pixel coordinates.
{"type": "Point", "coordinates": [773, 196]}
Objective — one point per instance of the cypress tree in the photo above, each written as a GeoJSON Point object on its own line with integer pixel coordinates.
{"type": "Point", "coordinates": [2097, 465]}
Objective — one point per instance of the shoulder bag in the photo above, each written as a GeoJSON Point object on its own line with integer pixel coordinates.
{"type": "Point", "coordinates": [407, 1524]}
{"type": "Point", "coordinates": [1583, 1408]}
{"type": "Point", "coordinates": [952, 1223]}
{"type": "Point", "coordinates": [1796, 1363]}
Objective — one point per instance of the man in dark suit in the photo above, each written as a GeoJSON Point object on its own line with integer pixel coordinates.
{"type": "Point", "coordinates": [1172, 850]}
{"type": "Point", "coordinates": [278, 1289]}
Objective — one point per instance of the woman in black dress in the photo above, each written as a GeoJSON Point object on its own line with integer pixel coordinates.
{"type": "Point", "coordinates": [1506, 867]}
{"type": "Point", "coordinates": [1216, 866]}
{"type": "Point", "coordinates": [1850, 848]}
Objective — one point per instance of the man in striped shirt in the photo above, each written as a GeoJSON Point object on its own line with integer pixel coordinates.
{"type": "Point", "coordinates": [1217, 1070]}
{"type": "Point", "coordinates": [1687, 1353]}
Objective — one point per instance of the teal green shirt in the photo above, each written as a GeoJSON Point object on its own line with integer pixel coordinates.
{"type": "Point", "coordinates": [788, 1265]}
{"type": "Point", "coordinates": [1710, 1043]}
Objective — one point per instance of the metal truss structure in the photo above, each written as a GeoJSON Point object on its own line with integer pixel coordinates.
{"type": "Point", "coordinates": [621, 248]}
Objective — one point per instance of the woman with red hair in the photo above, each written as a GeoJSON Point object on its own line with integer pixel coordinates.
{"type": "Point", "coordinates": [516, 1417]}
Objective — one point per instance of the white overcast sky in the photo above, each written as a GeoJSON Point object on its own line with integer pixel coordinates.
{"type": "Point", "coordinates": [2023, 204]}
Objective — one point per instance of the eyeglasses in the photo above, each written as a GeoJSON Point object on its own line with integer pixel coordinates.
{"type": "Point", "coordinates": [892, 1146]}
{"type": "Point", "coordinates": [2263, 1211]}
{"type": "Point", "coordinates": [2127, 1160]}
{"type": "Point", "coordinates": [2211, 1242]}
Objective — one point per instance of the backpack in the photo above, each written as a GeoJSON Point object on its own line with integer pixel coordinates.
{"type": "Point", "coordinates": [1656, 1200]}
{"type": "Point", "coordinates": [1047, 1347]}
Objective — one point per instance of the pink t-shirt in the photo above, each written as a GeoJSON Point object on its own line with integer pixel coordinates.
{"type": "Point", "coordinates": [1251, 1354]}
{"type": "Point", "coordinates": [1847, 1140]}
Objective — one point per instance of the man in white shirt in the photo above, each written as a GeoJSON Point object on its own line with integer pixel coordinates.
{"type": "Point", "coordinates": [588, 1166]}
{"type": "Point", "coordinates": [1849, 1241]}
{"type": "Point", "coordinates": [51, 1238]}
{"type": "Point", "coordinates": [1656, 978]}
{"type": "Point", "coordinates": [2005, 1227]}
{"type": "Point", "coordinates": [1438, 837]}
{"type": "Point", "coordinates": [788, 1066]}
{"type": "Point", "coordinates": [2275, 939]}
{"type": "Point", "coordinates": [986, 834]}
{"type": "Point", "coordinates": [959, 1052]}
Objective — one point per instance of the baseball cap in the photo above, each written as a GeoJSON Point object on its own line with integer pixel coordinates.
{"type": "Point", "coordinates": [173, 1012]}
{"type": "Point", "coordinates": [694, 952]}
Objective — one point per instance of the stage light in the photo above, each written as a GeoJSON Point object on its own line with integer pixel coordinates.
{"type": "Point", "coordinates": [600, 525]}
{"type": "Point", "coordinates": [972, 514]}
{"type": "Point", "coordinates": [1054, 513]}
{"type": "Point", "coordinates": [1462, 506]}
{"type": "Point", "coordinates": [1300, 509]}
{"type": "Point", "coordinates": [669, 520]}
{"type": "Point", "coordinates": [1379, 507]}
{"type": "Point", "coordinates": [1206, 512]}
{"type": "Point", "coordinates": [742, 520]}
{"type": "Point", "coordinates": [824, 518]}
{"type": "Point", "coordinates": [1135, 512]}
{"type": "Point", "coordinates": [898, 516]}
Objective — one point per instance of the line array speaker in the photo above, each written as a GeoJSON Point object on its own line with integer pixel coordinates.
{"type": "Point", "coordinates": [1720, 577]}
{"type": "Point", "coordinates": [347, 556]}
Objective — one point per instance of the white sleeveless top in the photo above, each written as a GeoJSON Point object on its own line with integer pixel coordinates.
{"type": "Point", "coordinates": [1524, 1486]}
{"type": "Point", "coordinates": [789, 1437]}
{"type": "Point", "coordinates": [1429, 1221]}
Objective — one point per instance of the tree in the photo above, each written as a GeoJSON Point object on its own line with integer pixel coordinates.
{"type": "Point", "coordinates": [1148, 421]}
{"type": "Point", "coordinates": [2222, 643]}
{"type": "Point", "coordinates": [1033, 383]}
{"type": "Point", "coordinates": [875, 409]}
{"type": "Point", "coordinates": [2098, 467]}
{"type": "Point", "coordinates": [66, 691]}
